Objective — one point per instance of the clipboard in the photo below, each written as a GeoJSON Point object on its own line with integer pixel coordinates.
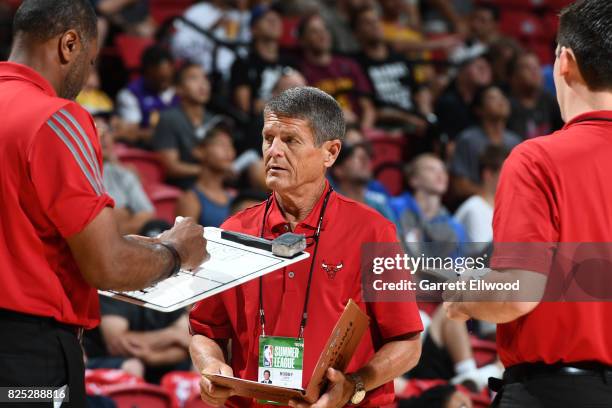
{"type": "Point", "coordinates": [337, 353]}
{"type": "Point", "coordinates": [231, 264]}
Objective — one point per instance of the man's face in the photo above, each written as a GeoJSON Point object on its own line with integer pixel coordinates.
{"type": "Point", "coordinates": [483, 23]}
{"type": "Point", "coordinates": [495, 105]}
{"type": "Point", "coordinates": [316, 36]}
{"type": "Point", "coordinates": [79, 70]}
{"type": "Point", "coordinates": [291, 157]}
{"type": "Point", "coordinates": [159, 78]}
{"type": "Point", "coordinates": [357, 168]}
{"type": "Point", "coordinates": [479, 72]}
{"type": "Point", "coordinates": [431, 176]}
{"type": "Point", "coordinates": [194, 86]}
{"type": "Point", "coordinates": [528, 71]}
{"type": "Point", "coordinates": [266, 375]}
{"type": "Point", "coordinates": [219, 153]}
{"type": "Point", "coordinates": [269, 27]}
{"type": "Point", "coordinates": [369, 29]}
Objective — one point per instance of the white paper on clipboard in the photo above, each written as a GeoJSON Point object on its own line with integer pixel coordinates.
{"type": "Point", "coordinates": [230, 264]}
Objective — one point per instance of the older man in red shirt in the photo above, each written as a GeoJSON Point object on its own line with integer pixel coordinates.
{"type": "Point", "coordinates": [303, 129]}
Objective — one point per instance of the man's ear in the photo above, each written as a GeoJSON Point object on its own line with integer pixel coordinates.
{"type": "Point", "coordinates": [332, 149]}
{"type": "Point", "coordinates": [69, 46]}
{"type": "Point", "coordinates": [568, 66]}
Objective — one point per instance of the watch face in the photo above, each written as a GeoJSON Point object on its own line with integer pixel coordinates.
{"type": "Point", "coordinates": [358, 397]}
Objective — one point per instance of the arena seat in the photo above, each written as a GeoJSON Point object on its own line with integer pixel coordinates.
{"type": "Point", "coordinates": [388, 151]}
{"type": "Point", "coordinates": [184, 387]}
{"type": "Point", "coordinates": [485, 351]}
{"type": "Point", "coordinates": [164, 199]}
{"type": "Point", "coordinates": [523, 25]}
{"type": "Point", "coordinates": [130, 49]}
{"type": "Point", "coordinates": [139, 396]}
{"type": "Point", "coordinates": [164, 10]}
{"type": "Point", "coordinates": [145, 162]}
{"type": "Point", "coordinates": [98, 380]}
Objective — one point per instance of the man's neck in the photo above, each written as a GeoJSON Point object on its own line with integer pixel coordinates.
{"type": "Point", "coordinates": [38, 60]}
{"type": "Point", "coordinates": [296, 206]}
{"type": "Point", "coordinates": [354, 191]}
{"type": "Point", "coordinates": [429, 204]}
{"type": "Point", "coordinates": [585, 101]}
{"type": "Point", "coordinates": [494, 129]}
{"type": "Point", "coordinates": [194, 111]}
{"type": "Point", "coordinates": [320, 59]}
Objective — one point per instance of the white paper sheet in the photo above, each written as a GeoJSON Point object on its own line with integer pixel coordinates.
{"type": "Point", "coordinates": [230, 264]}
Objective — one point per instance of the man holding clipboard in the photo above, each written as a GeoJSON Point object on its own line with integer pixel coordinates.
{"type": "Point", "coordinates": [291, 312]}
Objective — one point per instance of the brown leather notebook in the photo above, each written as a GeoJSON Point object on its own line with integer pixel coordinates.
{"type": "Point", "coordinates": [338, 351]}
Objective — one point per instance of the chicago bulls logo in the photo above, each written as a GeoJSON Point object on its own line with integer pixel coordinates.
{"type": "Point", "coordinates": [331, 270]}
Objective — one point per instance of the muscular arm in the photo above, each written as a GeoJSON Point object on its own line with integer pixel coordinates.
{"type": "Point", "coordinates": [108, 260]}
{"type": "Point", "coordinates": [500, 306]}
{"type": "Point", "coordinates": [391, 361]}
{"type": "Point", "coordinates": [129, 222]}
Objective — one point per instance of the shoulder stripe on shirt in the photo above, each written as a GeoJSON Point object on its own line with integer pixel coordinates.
{"type": "Point", "coordinates": [76, 156]}
{"type": "Point", "coordinates": [83, 134]}
{"type": "Point", "coordinates": [90, 158]}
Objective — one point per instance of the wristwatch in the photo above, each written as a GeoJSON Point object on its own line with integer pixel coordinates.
{"type": "Point", "coordinates": [360, 391]}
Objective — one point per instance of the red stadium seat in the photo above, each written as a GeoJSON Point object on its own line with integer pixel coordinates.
{"type": "Point", "coordinates": [388, 151]}
{"type": "Point", "coordinates": [523, 25]}
{"type": "Point", "coordinates": [130, 49]}
{"type": "Point", "coordinates": [164, 198]}
{"type": "Point", "coordinates": [97, 381]}
{"type": "Point", "coordinates": [184, 387]}
{"type": "Point", "coordinates": [145, 162]}
{"type": "Point", "coordinates": [139, 396]}
{"type": "Point", "coordinates": [289, 39]}
{"type": "Point", "coordinates": [163, 10]}
{"type": "Point", "coordinates": [485, 351]}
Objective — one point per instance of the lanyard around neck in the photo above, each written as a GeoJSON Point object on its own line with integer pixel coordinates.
{"type": "Point", "coordinates": [262, 317]}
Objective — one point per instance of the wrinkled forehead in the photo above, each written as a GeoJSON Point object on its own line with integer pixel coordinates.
{"type": "Point", "coordinates": [277, 124]}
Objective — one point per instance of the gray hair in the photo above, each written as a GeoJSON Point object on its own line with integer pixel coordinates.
{"type": "Point", "coordinates": [319, 109]}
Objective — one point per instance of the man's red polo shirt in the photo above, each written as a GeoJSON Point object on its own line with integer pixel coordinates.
{"type": "Point", "coordinates": [552, 189]}
{"type": "Point", "coordinates": [234, 313]}
{"type": "Point", "coordinates": [50, 189]}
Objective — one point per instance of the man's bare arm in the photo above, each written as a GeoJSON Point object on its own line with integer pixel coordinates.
{"type": "Point", "coordinates": [108, 260]}
{"type": "Point", "coordinates": [500, 306]}
{"type": "Point", "coordinates": [391, 361]}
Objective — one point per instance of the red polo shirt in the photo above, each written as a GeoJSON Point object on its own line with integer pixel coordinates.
{"type": "Point", "coordinates": [556, 189]}
{"type": "Point", "coordinates": [50, 189]}
{"type": "Point", "coordinates": [234, 313]}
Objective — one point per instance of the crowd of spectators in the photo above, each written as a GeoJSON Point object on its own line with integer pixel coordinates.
{"type": "Point", "coordinates": [452, 85]}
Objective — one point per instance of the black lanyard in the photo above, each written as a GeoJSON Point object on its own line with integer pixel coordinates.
{"type": "Point", "coordinates": [262, 317]}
